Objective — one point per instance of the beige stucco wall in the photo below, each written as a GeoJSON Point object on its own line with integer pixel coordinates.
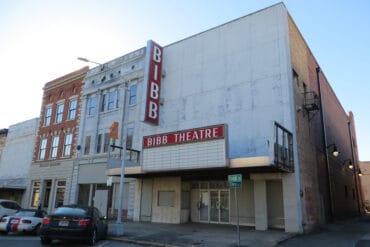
{"type": "Point", "coordinates": [166, 214]}
{"type": "Point", "coordinates": [54, 171]}
{"type": "Point", "coordinates": [245, 197]}
{"type": "Point", "coordinates": [290, 205]}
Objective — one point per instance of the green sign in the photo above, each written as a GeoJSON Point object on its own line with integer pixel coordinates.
{"type": "Point", "coordinates": [235, 180]}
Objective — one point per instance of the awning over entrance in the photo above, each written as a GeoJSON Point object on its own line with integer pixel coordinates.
{"type": "Point", "coordinates": [13, 183]}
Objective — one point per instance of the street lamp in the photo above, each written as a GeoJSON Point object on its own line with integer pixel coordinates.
{"type": "Point", "coordinates": [118, 227]}
{"type": "Point", "coordinates": [87, 60]}
{"type": "Point", "coordinates": [350, 164]}
{"type": "Point", "coordinates": [335, 152]}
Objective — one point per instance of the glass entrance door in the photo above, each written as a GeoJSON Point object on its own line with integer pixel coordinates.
{"type": "Point", "coordinates": [214, 206]}
{"type": "Point", "coordinates": [203, 206]}
{"type": "Point", "coordinates": [224, 206]}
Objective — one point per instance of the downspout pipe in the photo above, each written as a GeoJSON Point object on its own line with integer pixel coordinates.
{"type": "Point", "coordinates": [323, 132]}
{"type": "Point", "coordinates": [359, 201]}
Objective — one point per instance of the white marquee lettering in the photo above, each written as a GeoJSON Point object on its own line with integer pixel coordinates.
{"type": "Point", "coordinates": [157, 54]}
{"type": "Point", "coordinates": [153, 110]}
{"type": "Point", "coordinates": [149, 142]}
{"type": "Point", "coordinates": [164, 140]}
{"type": "Point", "coordinates": [155, 72]}
{"type": "Point", "coordinates": [186, 136]}
{"type": "Point", "coordinates": [208, 133]}
{"type": "Point", "coordinates": [158, 140]}
{"type": "Point", "coordinates": [154, 90]}
{"type": "Point", "coordinates": [215, 132]}
{"type": "Point", "coordinates": [195, 136]}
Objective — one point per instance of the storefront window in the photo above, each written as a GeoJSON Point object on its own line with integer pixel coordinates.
{"type": "Point", "coordinates": [35, 194]}
{"type": "Point", "coordinates": [59, 199]}
{"type": "Point", "coordinates": [47, 193]}
{"type": "Point", "coordinates": [83, 195]}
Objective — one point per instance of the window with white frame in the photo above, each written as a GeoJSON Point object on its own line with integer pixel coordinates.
{"type": "Point", "coordinates": [103, 102]}
{"type": "Point", "coordinates": [67, 145]}
{"type": "Point", "coordinates": [106, 142]}
{"type": "Point", "coordinates": [48, 112]}
{"type": "Point", "coordinates": [47, 189]}
{"type": "Point", "coordinates": [98, 144]}
{"type": "Point", "coordinates": [117, 98]}
{"type": "Point", "coordinates": [133, 94]}
{"type": "Point", "coordinates": [59, 116]}
{"type": "Point", "coordinates": [42, 149]}
{"type": "Point", "coordinates": [87, 145]}
{"type": "Point", "coordinates": [112, 97]}
{"type": "Point", "coordinates": [92, 105]}
{"type": "Point", "coordinates": [54, 147]}
{"type": "Point", "coordinates": [72, 109]}
{"type": "Point", "coordinates": [129, 137]}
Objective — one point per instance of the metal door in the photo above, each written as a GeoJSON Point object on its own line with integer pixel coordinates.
{"type": "Point", "coordinates": [101, 200]}
{"type": "Point", "coordinates": [146, 200]}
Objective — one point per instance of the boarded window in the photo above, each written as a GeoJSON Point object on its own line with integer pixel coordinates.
{"type": "Point", "coordinates": [166, 198]}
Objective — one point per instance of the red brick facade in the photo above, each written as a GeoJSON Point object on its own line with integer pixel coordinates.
{"type": "Point", "coordinates": [60, 90]}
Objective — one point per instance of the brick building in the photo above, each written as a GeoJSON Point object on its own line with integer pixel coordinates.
{"type": "Point", "coordinates": [365, 184]}
{"type": "Point", "coordinates": [55, 149]}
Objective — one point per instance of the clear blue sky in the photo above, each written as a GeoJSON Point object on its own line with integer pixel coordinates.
{"type": "Point", "coordinates": [40, 41]}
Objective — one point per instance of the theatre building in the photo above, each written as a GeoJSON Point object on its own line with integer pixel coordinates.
{"type": "Point", "coordinates": [246, 97]}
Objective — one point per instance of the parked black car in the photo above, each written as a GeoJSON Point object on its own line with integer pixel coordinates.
{"type": "Point", "coordinates": [74, 222]}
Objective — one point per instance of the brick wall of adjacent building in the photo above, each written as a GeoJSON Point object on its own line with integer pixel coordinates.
{"type": "Point", "coordinates": [313, 170]}
{"type": "Point", "coordinates": [365, 185]}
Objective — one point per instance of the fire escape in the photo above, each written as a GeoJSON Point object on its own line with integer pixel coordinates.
{"type": "Point", "coordinates": [311, 104]}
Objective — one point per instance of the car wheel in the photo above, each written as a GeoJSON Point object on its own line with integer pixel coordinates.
{"type": "Point", "coordinates": [45, 240]}
{"type": "Point", "coordinates": [92, 239]}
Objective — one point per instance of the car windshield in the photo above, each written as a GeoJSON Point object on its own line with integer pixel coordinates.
{"type": "Point", "coordinates": [25, 213]}
{"type": "Point", "coordinates": [70, 211]}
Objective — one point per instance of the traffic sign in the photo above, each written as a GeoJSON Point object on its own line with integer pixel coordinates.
{"type": "Point", "coordinates": [235, 180]}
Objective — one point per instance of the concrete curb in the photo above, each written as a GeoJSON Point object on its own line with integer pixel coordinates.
{"type": "Point", "coordinates": [286, 238]}
{"type": "Point", "coordinates": [141, 242]}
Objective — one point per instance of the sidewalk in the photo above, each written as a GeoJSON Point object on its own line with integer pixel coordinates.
{"type": "Point", "coordinates": [196, 234]}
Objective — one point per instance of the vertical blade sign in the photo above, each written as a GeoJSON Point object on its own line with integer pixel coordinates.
{"type": "Point", "coordinates": [153, 83]}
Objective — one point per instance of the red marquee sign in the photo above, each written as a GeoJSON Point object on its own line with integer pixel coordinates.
{"type": "Point", "coordinates": [185, 136]}
{"type": "Point", "coordinates": [153, 82]}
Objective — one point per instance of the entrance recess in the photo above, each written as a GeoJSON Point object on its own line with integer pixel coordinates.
{"type": "Point", "coordinates": [214, 206]}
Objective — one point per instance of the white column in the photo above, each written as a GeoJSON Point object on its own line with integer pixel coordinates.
{"type": "Point", "coordinates": [291, 202]}
{"type": "Point", "coordinates": [137, 200]}
{"type": "Point", "coordinates": [260, 205]}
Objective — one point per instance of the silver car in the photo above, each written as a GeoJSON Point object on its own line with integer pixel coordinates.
{"type": "Point", "coordinates": [8, 207]}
